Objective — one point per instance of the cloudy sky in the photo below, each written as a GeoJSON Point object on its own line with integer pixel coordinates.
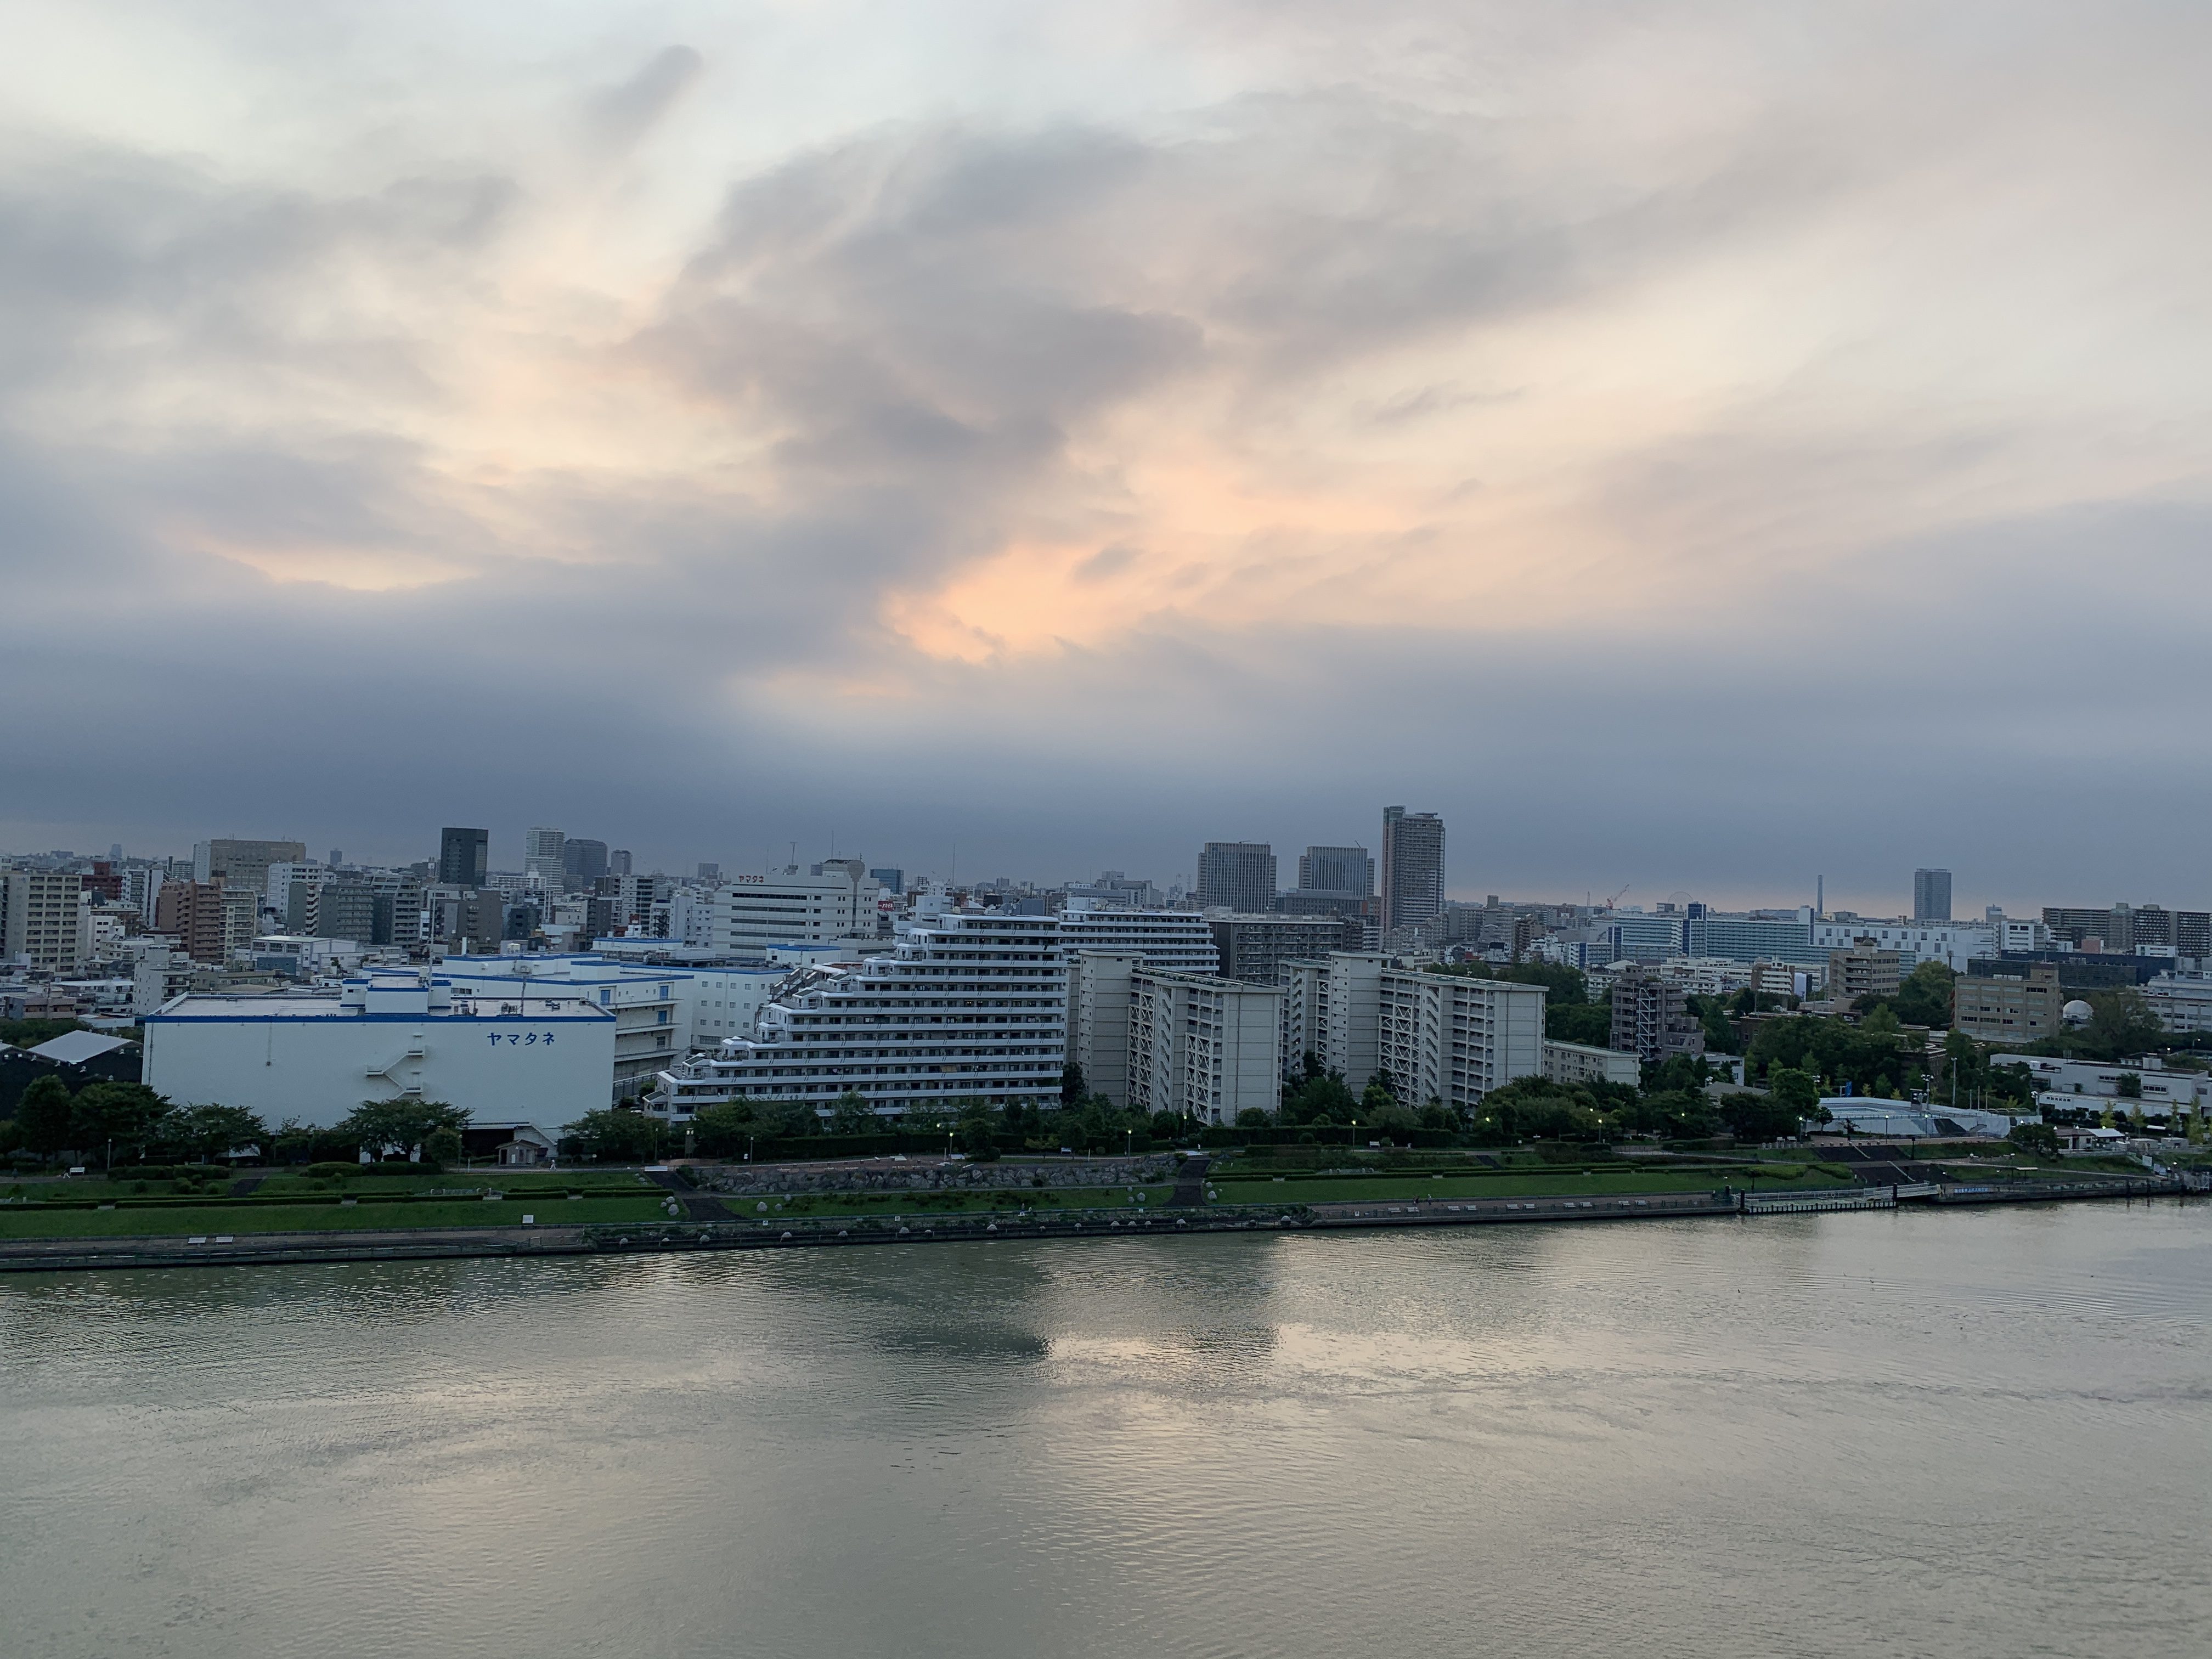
{"type": "Point", "coordinates": [1693, 444]}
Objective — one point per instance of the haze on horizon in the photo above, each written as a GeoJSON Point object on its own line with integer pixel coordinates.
{"type": "Point", "coordinates": [1693, 444]}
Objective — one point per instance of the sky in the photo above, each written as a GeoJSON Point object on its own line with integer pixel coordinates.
{"type": "Point", "coordinates": [1695, 446]}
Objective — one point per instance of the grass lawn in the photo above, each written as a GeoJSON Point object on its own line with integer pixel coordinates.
{"type": "Point", "coordinates": [1533, 1184]}
{"type": "Point", "coordinates": [746, 1206]}
{"type": "Point", "coordinates": [550, 1209]}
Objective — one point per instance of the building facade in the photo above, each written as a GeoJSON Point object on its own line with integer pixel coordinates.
{"type": "Point", "coordinates": [1864, 970]}
{"type": "Point", "coordinates": [2006, 1008]}
{"type": "Point", "coordinates": [1254, 948]}
{"type": "Point", "coordinates": [1578, 1063]}
{"type": "Point", "coordinates": [1336, 870]}
{"type": "Point", "coordinates": [970, 1005]}
{"type": "Point", "coordinates": [1651, 1018]}
{"type": "Point", "coordinates": [464, 857]}
{"type": "Point", "coordinates": [1236, 875]}
{"type": "Point", "coordinates": [243, 863]}
{"type": "Point", "coordinates": [1931, 895]}
{"type": "Point", "coordinates": [1413, 869]}
{"type": "Point", "coordinates": [1098, 1019]}
{"type": "Point", "coordinates": [386, 1036]}
{"type": "Point", "coordinates": [1180, 940]}
{"type": "Point", "coordinates": [1953, 944]}
{"type": "Point", "coordinates": [746, 914]}
{"type": "Point", "coordinates": [1202, 1046]}
{"type": "Point", "coordinates": [1453, 1038]}
{"type": "Point", "coordinates": [44, 921]}
{"type": "Point", "coordinates": [651, 1005]}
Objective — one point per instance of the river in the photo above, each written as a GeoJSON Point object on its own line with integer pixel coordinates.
{"type": "Point", "coordinates": [1986, 1432]}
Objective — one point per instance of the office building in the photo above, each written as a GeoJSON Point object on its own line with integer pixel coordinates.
{"type": "Point", "coordinates": [1413, 869]}
{"type": "Point", "coordinates": [891, 880]}
{"type": "Point", "coordinates": [464, 857]}
{"type": "Point", "coordinates": [583, 861]}
{"type": "Point", "coordinates": [1336, 870]}
{"type": "Point", "coordinates": [2008, 1008]}
{"type": "Point", "coordinates": [1202, 1046]}
{"type": "Point", "coordinates": [1180, 939]}
{"type": "Point", "coordinates": [385, 1036]}
{"type": "Point", "coordinates": [969, 1005]}
{"type": "Point", "coordinates": [544, 856]}
{"type": "Point", "coordinates": [1453, 1038]}
{"type": "Point", "coordinates": [1931, 895]}
{"type": "Point", "coordinates": [1254, 948]}
{"type": "Point", "coordinates": [747, 914]}
{"type": "Point", "coordinates": [1651, 1018]}
{"type": "Point", "coordinates": [709, 871]}
{"type": "Point", "coordinates": [243, 863]}
{"type": "Point", "coordinates": [618, 862]}
{"type": "Point", "coordinates": [1236, 875]}
{"type": "Point", "coordinates": [45, 921]}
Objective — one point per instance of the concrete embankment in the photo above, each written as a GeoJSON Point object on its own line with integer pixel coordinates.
{"type": "Point", "coordinates": [49, 1255]}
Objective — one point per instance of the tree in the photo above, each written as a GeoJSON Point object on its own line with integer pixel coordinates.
{"type": "Point", "coordinates": [2130, 1086]}
{"type": "Point", "coordinates": [204, 1134]}
{"type": "Point", "coordinates": [1072, 1086]}
{"type": "Point", "coordinates": [1924, 999]}
{"type": "Point", "coordinates": [976, 1140]}
{"type": "Point", "coordinates": [377, 1127]}
{"type": "Point", "coordinates": [851, 1115]}
{"type": "Point", "coordinates": [1720, 1036]}
{"type": "Point", "coordinates": [1589, 1023]}
{"type": "Point", "coordinates": [1251, 1118]}
{"type": "Point", "coordinates": [43, 1114]}
{"type": "Point", "coordinates": [123, 1116]}
{"type": "Point", "coordinates": [724, 1130]}
{"type": "Point", "coordinates": [1760, 1117]}
{"type": "Point", "coordinates": [1323, 1099]}
{"type": "Point", "coordinates": [1379, 1096]}
{"type": "Point", "coordinates": [613, 1136]}
{"type": "Point", "coordinates": [2121, 1023]}
{"type": "Point", "coordinates": [443, 1147]}
{"type": "Point", "coordinates": [1793, 1091]}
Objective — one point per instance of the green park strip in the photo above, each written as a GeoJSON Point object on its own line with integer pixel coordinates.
{"type": "Point", "coordinates": [747, 1206]}
{"type": "Point", "coordinates": [1353, 1189]}
{"type": "Point", "coordinates": [124, 1222]}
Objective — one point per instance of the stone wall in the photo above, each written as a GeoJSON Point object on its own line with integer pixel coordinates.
{"type": "Point", "coordinates": [883, 1176]}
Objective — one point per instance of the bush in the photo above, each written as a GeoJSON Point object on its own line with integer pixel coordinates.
{"type": "Point", "coordinates": [332, 1172]}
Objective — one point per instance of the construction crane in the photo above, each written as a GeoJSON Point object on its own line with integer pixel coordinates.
{"type": "Point", "coordinates": [1616, 898]}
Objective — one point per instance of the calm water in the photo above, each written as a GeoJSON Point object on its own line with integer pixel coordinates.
{"type": "Point", "coordinates": [1910, 1434]}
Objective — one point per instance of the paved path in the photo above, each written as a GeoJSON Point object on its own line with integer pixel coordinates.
{"type": "Point", "coordinates": [245, 1184]}
{"type": "Point", "coordinates": [696, 1205]}
{"type": "Point", "coordinates": [1190, 1184]}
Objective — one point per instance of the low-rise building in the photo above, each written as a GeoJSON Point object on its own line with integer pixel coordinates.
{"type": "Point", "coordinates": [649, 1005]}
{"type": "Point", "coordinates": [385, 1035]}
{"type": "Point", "coordinates": [2008, 1008]}
{"type": "Point", "coordinates": [2183, 1002]}
{"type": "Point", "coordinates": [1580, 1063]}
{"type": "Point", "coordinates": [1864, 970]}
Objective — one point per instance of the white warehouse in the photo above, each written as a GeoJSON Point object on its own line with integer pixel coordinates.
{"type": "Point", "coordinates": [385, 1037]}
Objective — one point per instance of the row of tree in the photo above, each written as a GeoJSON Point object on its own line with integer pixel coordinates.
{"type": "Point", "coordinates": [124, 1123]}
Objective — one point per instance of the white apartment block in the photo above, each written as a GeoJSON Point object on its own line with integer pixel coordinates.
{"type": "Point", "coordinates": [973, 1006]}
{"type": "Point", "coordinates": [1452, 1038]}
{"type": "Point", "coordinates": [1098, 1019]}
{"type": "Point", "coordinates": [745, 914]}
{"type": "Point", "coordinates": [1351, 1031]}
{"type": "Point", "coordinates": [1203, 1047]}
{"type": "Point", "coordinates": [1953, 944]}
{"type": "Point", "coordinates": [1578, 1063]}
{"type": "Point", "coordinates": [1179, 940]}
{"type": "Point", "coordinates": [1304, 985]}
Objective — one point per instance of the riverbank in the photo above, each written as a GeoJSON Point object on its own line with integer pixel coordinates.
{"type": "Point", "coordinates": [679, 1232]}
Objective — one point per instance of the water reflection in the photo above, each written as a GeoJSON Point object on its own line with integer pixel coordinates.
{"type": "Point", "coordinates": [1972, 1434]}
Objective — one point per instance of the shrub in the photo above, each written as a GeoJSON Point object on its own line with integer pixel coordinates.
{"type": "Point", "coordinates": [332, 1172]}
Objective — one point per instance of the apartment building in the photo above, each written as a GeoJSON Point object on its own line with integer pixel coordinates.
{"type": "Point", "coordinates": [1651, 1018]}
{"type": "Point", "coordinates": [1179, 940]}
{"type": "Point", "coordinates": [1575, 1063]}
{"type": "Point", "coordinates": [44, 920]}
{"type": "Point", "coordinates": [968, 1006]}
{"type": "Point", "coordinates": [1098, 1019]}
{"type": "Point", "coordinates": [1413, 869]}
{"type": "Point", "coordinates": [1452, 1038]}
{"type": "Point", "coordinates": [1864, 970]}
{"type": "Point", "coordinates": [1202, 1046]}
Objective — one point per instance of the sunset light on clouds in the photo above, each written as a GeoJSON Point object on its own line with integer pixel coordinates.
{"type": "Point", "coordinates": [1701, 443]}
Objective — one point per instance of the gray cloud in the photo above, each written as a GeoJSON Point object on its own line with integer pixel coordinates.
{"type": "Point", "coordinates": [915, 334]}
